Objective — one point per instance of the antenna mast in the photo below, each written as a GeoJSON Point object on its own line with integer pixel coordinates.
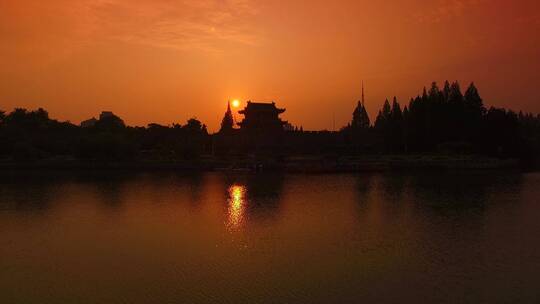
{"type": "Point", "coordinates": [363, 100]}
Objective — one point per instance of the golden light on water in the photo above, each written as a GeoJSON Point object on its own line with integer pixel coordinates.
{"type": "Point", "coordinates": [236, 207]}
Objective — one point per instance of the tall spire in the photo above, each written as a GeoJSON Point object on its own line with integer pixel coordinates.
{"type": "Point", "coordinates": [363, 100]}
{"type": "Point", "coordinates": [360, 116]}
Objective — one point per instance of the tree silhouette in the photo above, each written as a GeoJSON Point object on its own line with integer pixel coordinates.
{"type": "Point", "coordinates": [383, 117]}
{"type": "Point", "coordinates": [406, 129]}
{"type": "Point", "coordinates": [446, 91]}
{"type": "Point", "coordinates": [474, 112]}
{"type": "Point", "coordinates": [473, 100]}
{"type": "Point", "coordinates": [396, 127]}
{"type": "Point", "coordinates": [437, 121]}
{"type": "Point", "coordinates": [389, 126]}
{"type": "Point", "coordinates": [109, 123]}
{"type": "Point", "coordinates": [194, 126]}
{"type": "Point", "coordinates": [502, 136]}
{"type": "Point", "coordinates": [396, 115]}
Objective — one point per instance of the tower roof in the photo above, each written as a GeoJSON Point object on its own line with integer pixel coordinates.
{"type": "Point", "coordinates": [261, 107]}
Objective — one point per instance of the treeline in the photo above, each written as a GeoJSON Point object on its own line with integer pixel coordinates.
{"type": "Point", "coordinates": [447, 120]}
{"type": "Point", "coordinates": [437, 121]}
{"type": "Point", "coordinates": [32, 135]}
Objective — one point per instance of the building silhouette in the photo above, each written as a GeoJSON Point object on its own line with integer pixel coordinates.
{"type": "Point", "coordinates": [360, 120]}
{"type": "Point", "coordinates": [227, 123]}
{"type": "Point", "coordinates": [261, 130]}
{"type": "Point", "coordinates": [261, 117]}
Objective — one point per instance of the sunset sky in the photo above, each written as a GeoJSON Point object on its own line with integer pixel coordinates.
{"type": "Point", "coordinates": [165, 61]}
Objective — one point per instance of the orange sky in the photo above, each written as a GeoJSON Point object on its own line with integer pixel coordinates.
{"type": "Point", "coordinates": [167, 60]}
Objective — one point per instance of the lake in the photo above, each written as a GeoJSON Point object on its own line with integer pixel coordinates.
{"type": "Point", "coordinates": [270, 238]}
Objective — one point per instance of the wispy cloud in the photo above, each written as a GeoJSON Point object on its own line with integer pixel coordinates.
{"type": "Point", "coordinates": [184, 25]}
{"type": "Point", "coordinates": [192, 24]}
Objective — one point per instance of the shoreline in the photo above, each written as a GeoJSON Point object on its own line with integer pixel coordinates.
{"type": "Point", "coordinates": [292, 164]}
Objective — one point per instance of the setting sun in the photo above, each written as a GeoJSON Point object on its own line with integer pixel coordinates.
{"type": "Point", "coordinates": [236, 103]}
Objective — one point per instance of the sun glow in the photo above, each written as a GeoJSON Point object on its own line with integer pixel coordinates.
{"type": "Point", "coordinates": [236, 103]}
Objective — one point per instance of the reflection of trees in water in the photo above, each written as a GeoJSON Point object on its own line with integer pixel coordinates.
{"type": "Point", "coordinates": [377, 187]}
{"type": "Point", "coordinates": [35, 190]}
{"type": "Point", "coordinates": [435, 191]}
{"type": "Point", "coordinates": [110, 189]}
{"type": "Point", "coordinates": [434, 218]}
{"type": "Point", "coordinates": [27, 193]}
{"type": "Point", "coordinates": [393, 185]}
{"type": "Point", "coordinates": [195, 182]}
{"type": "Point", "coordinates": [113, 190]}
{"type": "Point", "coordinates": [380, 198]}
{"type": "Point", "coordinates": [183, 187]}
{"type": "Point", "coordinates": [461, 192]}
{"type": "Point", "coordinates": [364, 185]}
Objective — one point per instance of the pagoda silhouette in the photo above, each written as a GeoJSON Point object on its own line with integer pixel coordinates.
{"type": "Point", "coordinates": [260, 129]}
{"type": "Point", "coordinates": [261, 117]}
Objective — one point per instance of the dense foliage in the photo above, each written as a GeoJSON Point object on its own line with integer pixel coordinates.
{"type": "Point", "coordinates": [27, 135]}
{"type": "Point", "coordinates": [446, 120]}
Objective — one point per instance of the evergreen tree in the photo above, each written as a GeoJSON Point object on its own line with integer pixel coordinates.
{"type": "Point", "coordinates": [396, 113]}
{"type": "Point", "coordinates": [383, 118]}
{"type": "Point", "coordinates": [446, 91]}
{"type": "Point", "coordinates": [455, 95]}
{"type": "Point", "coordinates": [456, 125]}
{"type": "Point", "coordinates": [384, 126]}
{"type": "Point", "coordinates": [434, 93]}
{"type": "Point", "coordinates": [227, 123]}
{"type": "Point", "coordinates": [379, 121]}
{"type": "Point", "coordinates": [473, 101]}
{"type": "Point", "coordinates": [406, 128]}
{"type": "Point", "coordinates": [424, 94]}
{"type": "Point", "coordinates": [396, 126]}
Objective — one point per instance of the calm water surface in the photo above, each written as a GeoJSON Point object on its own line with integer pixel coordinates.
{"type": "Point", "coordinates": [242, 238]}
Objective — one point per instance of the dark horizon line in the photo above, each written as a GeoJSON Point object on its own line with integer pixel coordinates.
{"type": "Point", "coordinates": [172, 124]}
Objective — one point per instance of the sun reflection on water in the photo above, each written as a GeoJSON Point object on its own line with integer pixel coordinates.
{"type": "Point", "coordinates": [236, 206]}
